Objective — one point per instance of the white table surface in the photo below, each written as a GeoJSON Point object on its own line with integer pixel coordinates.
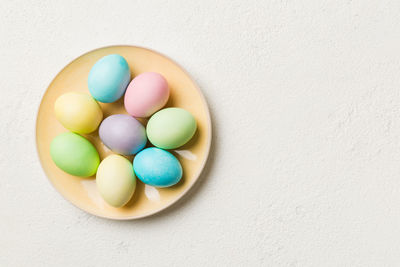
{"type": "Point", "coordinates": [305, 102]}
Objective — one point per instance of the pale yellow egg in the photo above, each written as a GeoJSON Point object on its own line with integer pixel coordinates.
{"type": "Point", "coordinates": [116, 180]}
{"type": "Point", "coordinates": [78, 112]}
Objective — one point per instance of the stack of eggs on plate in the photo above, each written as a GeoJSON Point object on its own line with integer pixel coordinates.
{"type": "Point", "coordinates": [169, 128]}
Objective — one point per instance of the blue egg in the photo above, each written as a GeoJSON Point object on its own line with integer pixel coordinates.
{"type": "Point", "coordinates": [109, 78]}
{"type": "Point", "coordinates": [157, 167]}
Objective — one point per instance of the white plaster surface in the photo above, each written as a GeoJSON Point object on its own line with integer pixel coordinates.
{"type": "Point", "coordinates": [305, 102]}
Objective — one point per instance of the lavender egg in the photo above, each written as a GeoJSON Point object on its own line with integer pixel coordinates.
{"type": "Point", "coordinates": [123, 134]}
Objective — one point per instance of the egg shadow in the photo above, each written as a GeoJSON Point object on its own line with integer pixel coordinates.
{"type": "Point", "coordinates": [192, 141]}
{"type": "Point", "coordinates": [170, 102]}
{"type": "Point", "coordinates": [110, 108]}
{"type": "Point", "coordinates": [135, 198]}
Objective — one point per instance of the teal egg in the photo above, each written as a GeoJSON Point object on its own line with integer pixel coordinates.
{"type": "Point", "coordinates": [109, 78]}
{"type": "Point", "coordinates": [157, 167]}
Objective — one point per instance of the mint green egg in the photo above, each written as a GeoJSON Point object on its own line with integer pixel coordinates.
{"type": "Point", "coordinates": [170, 128]}
{"type": "Point", "coordinates": [74, 154]}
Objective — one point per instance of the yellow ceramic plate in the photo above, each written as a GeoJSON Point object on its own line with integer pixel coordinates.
{"type": "Point", "coordinates": [147, 200]}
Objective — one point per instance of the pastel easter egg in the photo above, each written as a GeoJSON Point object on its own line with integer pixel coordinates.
{"type": "Point", "coordinates": [78, 112]}
{"type": "Point", "coordinates": [109, 78]}
{"type": "Point", "coordinates": [147, 93]}
{"type": "Point", "coordinates": [123, 134]}
{"type": "Point", "coordinates": [171, 128]}
{"type": "Point", "coordinates": [157, 167]}
{"type": "Point", "coordinates": [116, 180]}
{"type": "Point", "coordinates": [74, 154]}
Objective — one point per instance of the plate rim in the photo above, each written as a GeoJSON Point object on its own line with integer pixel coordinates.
{"type": "Point", "coordinates": [196, 175]}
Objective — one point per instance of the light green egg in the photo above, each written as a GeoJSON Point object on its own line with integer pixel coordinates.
{"type": "Point", "coordinates": [171, 128]}
{"type": "Point", "coordinates": [74, 154]}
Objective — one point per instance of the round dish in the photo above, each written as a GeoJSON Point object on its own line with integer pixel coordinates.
{"type": "Point", "coordinates": [147, 200]}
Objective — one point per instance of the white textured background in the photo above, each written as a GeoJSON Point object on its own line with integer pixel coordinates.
{"type": "Point", "coordinates": [305, 102]}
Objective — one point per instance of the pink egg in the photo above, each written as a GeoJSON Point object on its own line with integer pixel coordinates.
{"type": "Point", "coordinates": [146, 94]}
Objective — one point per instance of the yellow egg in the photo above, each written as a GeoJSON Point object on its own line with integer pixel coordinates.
{"type": "Point", "coordinates": [78, 112]}
{"type": "Point", "coordinates": [116, 180]}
